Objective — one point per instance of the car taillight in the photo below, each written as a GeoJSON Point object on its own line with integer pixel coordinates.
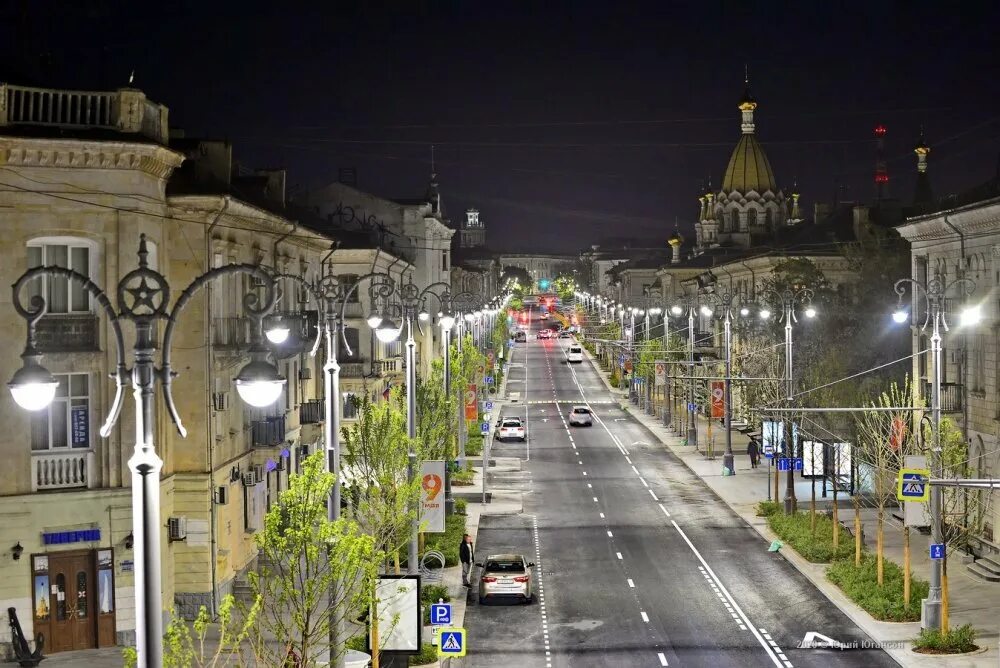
{"type": "Point", "coordinates": [487, 579]}
{"type": "Point", "coordinates": [521, 578]}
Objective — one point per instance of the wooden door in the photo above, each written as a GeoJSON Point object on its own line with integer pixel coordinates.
{"type": "Point", "coordinates": [74, 590]}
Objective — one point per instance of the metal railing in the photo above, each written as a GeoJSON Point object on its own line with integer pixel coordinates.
{"type": "Point", "coordinates": [354, 369]}
{"type": "Point", "coordinates": [951, 396]}
{"type": "Point", "coordinates": [311, 412]}
{"type": "Point", "coordinates": [268, 432]}
{"type": "Point", "coordinates": [62, 470]}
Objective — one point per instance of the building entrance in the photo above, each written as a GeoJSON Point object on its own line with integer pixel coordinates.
{"type": "Point", "coordinates": [73, 599]}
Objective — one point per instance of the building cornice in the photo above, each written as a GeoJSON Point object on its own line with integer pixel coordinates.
{"type": "Point", "coordinates": [972, 219]}
{"type": "Point", "coordinates": [55, 153]}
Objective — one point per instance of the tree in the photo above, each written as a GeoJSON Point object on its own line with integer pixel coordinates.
{"type": "Point", "coordinates": [376, 454]}
{"type": "Point", "coordinates": [304, 556]}
{"type": "Point", "coordinates": [885, 438]}
{"type": "Point", "coordinates": [565, 287]}
{"type": "Point", "coordinates": [519, 274]}
{"type": "Point", "coordinates": [436, 416]}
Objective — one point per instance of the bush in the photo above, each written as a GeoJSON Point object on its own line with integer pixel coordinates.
{"type": "Point", "coordinates": [447, 543]}
{"type": "Point", "coordinates": [768, 508]}
{"type": "Point", "coordinates": [462, 478]}
{"type": "Point", "coordinates": [474, 445]}
{"type": "Point", "coordinates": [431, 593]}
{"type": "Point", "coordinates": [461, 506]}
{"type": "Point", "coordinates": [428, 654]}
{"type": "Point", "coordinates": [614, 381]}
{"type": "Point", "coordinates": [796, 530]}
{"type": "Point", "coordinates": [885, 603]}
{"type": "Point", "coordinates": [956, 641]}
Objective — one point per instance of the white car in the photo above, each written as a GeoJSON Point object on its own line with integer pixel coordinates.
{"type": "Point", "coordinates": [511, 428]}
{"type": "Point", "coordinates": [580, 415]}
{"type": "Point", "coordinates": [574, 354]}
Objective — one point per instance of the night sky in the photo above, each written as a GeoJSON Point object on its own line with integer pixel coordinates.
{"type": "Point", "coordinates": [566, 123]}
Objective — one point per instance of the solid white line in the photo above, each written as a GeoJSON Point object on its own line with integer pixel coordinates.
{"type": "Point", "coordinates": [645, 617]}
{"type": "Point", "coordinates": [663, 509]}
{"type": "Point", "coordinates": [663, 659]}
{"type": "Point", "coordinates": [631, 584]}
{"type": "Point", "coordinates": [746, 620]}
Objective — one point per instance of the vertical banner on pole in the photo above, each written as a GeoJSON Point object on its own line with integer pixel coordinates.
{"type": "Point", "coordinates": [718, 399]}
{"type": "Point", "coordinates": [431, 497]}
{"type": "Point", "coordinates": [661, 373]}
{"type": "Point", "coordinates": [471, 405]}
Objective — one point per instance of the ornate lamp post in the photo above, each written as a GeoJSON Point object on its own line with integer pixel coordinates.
{"type": "Point", "coordinates": [934, 295]}
{"type": "Point", "coordinates": [789, 299]}
{"type": "Point", "coordinates": [726, 302]}
{"type": "Point", "coordinates": [143, 297]}
{"type": "Point", "coordinates": [690, 305]}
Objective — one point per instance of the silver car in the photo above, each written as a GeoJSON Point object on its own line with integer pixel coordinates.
{"type": "Point", "coordinates": [506, 576]}
{"type": "Point", "coordinates": [581, 416]}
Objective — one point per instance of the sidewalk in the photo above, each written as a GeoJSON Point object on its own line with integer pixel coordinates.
{"type": "Point", "coordinates": [971, 600]}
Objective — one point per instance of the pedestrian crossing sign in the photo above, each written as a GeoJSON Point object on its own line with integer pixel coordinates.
{"type": "Point", "coordinates": [452, 642]}
{"type": "Point", "coordinates": [913, 485]}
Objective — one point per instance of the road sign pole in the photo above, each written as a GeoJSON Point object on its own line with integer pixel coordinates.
{"type": "Point", "coordinates": [931, 613]}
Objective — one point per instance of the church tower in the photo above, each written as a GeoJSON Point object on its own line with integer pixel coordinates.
{"type": "Point", "coordinates": [473, 231]}
{"type": "Point", "coordinates": [923, 193]}
{"type": "Point", "coordinates": [749, 205]}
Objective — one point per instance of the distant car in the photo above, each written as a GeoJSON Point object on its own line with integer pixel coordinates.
{"type": "Point", "coordinates": [511, 428]}
{"type": "Point", "coordinates": [506, 576]}
{"type": "Point", "coordinates": [520, 337]}
{"type": "Point", "coordinates": [565, 334]}
{"type": "Point", "coordinates": [575, 354]}
{"type": "Point", "coordinates": [545, 315]}
{"type": "Point", "coordinates": [580, 415]}
{"type": "Point", "coordinates": [545, 334]}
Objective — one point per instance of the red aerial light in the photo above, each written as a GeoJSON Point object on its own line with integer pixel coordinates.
{"type": "Point", "coordinates": [880, 130]}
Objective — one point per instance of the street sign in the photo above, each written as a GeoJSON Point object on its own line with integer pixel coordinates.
{"type": "Point", "coordinates": [786, 463]}
{"type": "Point", "coordinates": [452, 642]}
{"type": "Point", "coordinates": [691, 408]}
{"type": "Point", "coordinates": [489, 406]}
{"type": "Point", "coordinates": [798, 463]}
{"type": "Point", "coordinates": [441, 614]}
{"type": "Point", "coordinates": [913, 485]}
{"type": "Point", "coordinates": [488, 380]}
{"type": "Point", "coordinates": [769, 449]}
{"type": "Point", "coordinates": [484, 428]}
{"type": "Point", "coordinates": [937, 550]}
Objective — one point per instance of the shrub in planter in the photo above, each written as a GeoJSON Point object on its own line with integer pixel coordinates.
{"type": "Point", "coordinates": [461, 506]}
{"type": "Point", "coordinates": [884, 603]}
{"type": "Point", "coordinates": [768, 508]}
{"type": "Point", "coordinates": [956, 641]}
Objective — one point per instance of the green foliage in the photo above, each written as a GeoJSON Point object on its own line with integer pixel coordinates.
{"type": "Point", "coordinates": [461, 506]}
{"type": "Point", "coordinates": [614, 381]}
{"type": "Point", "coordinates": [884, 603]}
{"type": "Point", "coordinates": [474, 445]}
{"type": "Point", "coordinates": [436, 428]}
{"type": "Point", "coordinates": [304, 556]}
{"type": "Point", "coordinates": [955, 641]}
{"type": "Point", "coordinates": [796, 531]}
{"type": "Point", "coordinates": [564, 286]}
{"type": "Point", "coordinates": [376, 449]}
{"type": "Point", "coordinates": [432, 594]}
{"type": "Point", "coordinates": [447, 543]}
{"type": "Point", "coordinates": [427, 655]}
{"type": "Point", "coordinates": [463, 478]}
{"type": "Point", "coordinates": [768, 508]}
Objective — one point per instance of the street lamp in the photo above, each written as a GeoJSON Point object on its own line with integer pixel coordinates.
{"type": "Point", "coordinates": [143, 297]}
{"type": "Point", "coordinates": [789, 299]}
{"type": "Point", "coordinates": [726, 301]}
{"type": "Point", "coordinates": [689, 304]}
{"type": "Point", "coordinates": [935, 293]}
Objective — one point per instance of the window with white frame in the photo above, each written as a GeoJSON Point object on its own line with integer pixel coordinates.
{"type": "Point", "coordinates": [61, 295]}
{"type": "Point", "coordinates": [978, 363]}
{"type": "Point", "coordinates": [66, 422]}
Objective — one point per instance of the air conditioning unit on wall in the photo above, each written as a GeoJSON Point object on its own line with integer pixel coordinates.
{"type": "Point", "coordinates": [177, 528]}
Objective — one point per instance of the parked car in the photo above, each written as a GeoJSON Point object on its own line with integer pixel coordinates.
{"type": "Point", "coordinates": [506, 576]}
{"type": "Point", "coordinates": [581, 415]}
{"type": "Point", "coordinates": [511, 428]}
{"type": "Point", "coordinates": [575, 354]}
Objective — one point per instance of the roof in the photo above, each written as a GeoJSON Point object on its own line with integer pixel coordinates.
{"type": "Point", "coordinates": [749, 169]}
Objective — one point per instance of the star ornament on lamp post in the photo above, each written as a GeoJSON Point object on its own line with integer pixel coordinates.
{"type": "Point", "coordinates": [143, 298]}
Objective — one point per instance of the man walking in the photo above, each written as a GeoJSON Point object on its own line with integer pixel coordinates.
{"type": "Point", "coordinates": [753, 452]}
{"type": "Point", "coordinates": [467, 555]}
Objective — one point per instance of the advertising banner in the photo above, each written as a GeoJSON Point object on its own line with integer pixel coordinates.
{"type": "Point", "coordinates": [661, 373]}
{"type": "Point", "coordinates": [399, 621]}
{"type": "Point", "coordinates": [718, 399]}
{"type": "Point", "coordinates": [471, 405]}
{"type": "Point", "coordinates": [432, 496]}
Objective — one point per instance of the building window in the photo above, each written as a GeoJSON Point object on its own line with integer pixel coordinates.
{"type": "Point", "coordinates": [61, 296]}
{"type": "Point", "coordinates": [751, 217]}
{"type": "Point", "coordinates": [444, 260]}
{"type": "Point", "coordinates": [353, 341]}
{"type": "Point", "coordinates": [348, 281]}
{"type": "Point", "coordinates": [734, 220]}
{"type": "Point", "coordinates": [769, 219]}
{"type": "Point", "coordinates": [977, 362]}
{"type": "Point", "coordinates": [66, 422]}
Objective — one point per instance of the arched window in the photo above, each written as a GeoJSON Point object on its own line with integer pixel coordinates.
{"type": "Point", "coordinates": [769, 219]}
{"type": "Point", "coordinates": [751, 217]}
{"type": "Point", "coordinates": [734, 218]}
{"type": "Point", "coordinates": [720, 220]}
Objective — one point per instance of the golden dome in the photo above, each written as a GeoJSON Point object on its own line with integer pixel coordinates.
{"type": "Point", "coordinates": [749, 168]}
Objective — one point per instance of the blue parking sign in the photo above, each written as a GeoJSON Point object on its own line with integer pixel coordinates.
{"type": "Point", "coordinates": [489, 406]}
{"type": "Point", "coordinates": [441, 614]}
{"type": "Point", "coordinates": [937, 550]}
{"type": "Point", "coordinates": [484, 428]}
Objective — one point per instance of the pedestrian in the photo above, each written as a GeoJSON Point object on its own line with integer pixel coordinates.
{"type": "Point", "coordinates": [753, 452]}
{"type": "Point", "coordinates": [467, 555]}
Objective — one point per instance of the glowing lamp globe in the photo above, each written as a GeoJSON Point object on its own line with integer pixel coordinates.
{"type": "Point", "coordinates": [277, 334]}
{"type": "Point", "coordinates": [810, 312]}
{"type": "Point", "coordinates": [971, 316]}
{"type": "Point", "coordinates": [374, 320]}
{"type": "Point", "coordinates": [676, 310]}
{"type": "Point", "coordinates": [33, 387]}
{"type": "Point", "coordinates": [706, 311]}
{"type": "Point", "coordinates": [259, 384]}
{"type": "Point", "coordinates": [900, 316]}
{"type": "Point", "coordinates": [765, 314]}
{"type": "Point", "coordinates": [387, 332]}
{"type": "Point", "coordinates": [448, 321]}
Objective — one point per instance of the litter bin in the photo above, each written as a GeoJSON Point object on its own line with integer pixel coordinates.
{"type": "Point", "coordinates": [356, 659]}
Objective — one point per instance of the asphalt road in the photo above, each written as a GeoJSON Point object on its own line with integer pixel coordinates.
{"type": "Point", "coordinates": [638, 562]}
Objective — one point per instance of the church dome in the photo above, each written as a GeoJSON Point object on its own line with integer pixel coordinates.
{"type": "Point", "coordinates": [749, 168]}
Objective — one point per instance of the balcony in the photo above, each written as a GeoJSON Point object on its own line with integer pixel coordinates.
{"type": "Point", "coordinates": [231, 333]}
{"type": "Point", "coordinates": [951, 397]}
{"type": "Point", "coordinates": [353, 310]}
{"type": "Point", "coordinates": [62, 470]}
{"type": "Point", "coordinates": [269, 432]}
{"type": "Point", "coordinates": [391, 365]}
{"type": "Point", "coordinates": [65, 333]}
{"type": "Point", "coordinates": [311, 412]}
{"type": "Point", "coordinates": [354, 369]}
{"type": "Point", "coordinates": [124, 110]}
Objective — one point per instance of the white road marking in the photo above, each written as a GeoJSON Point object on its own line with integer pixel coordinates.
{"type": "Point", "coordinates": [653, 495]}
{"type": "Point", "coordinates": [629, 461]}
{"type": "Point", "coordinates": [645, 617]}
{"type": "Point", "coordinates": [636, 470]}
{"type": "Point", "coordinates": [602, 516]}
{"type": "Point", "coordinates": [595, 499]}
{"type": "Point", "coordinates": [663, 509]}
{"type": "Point", "coordinates": [619, 554]}
{"type": "Point", "coordinates": [746, 620]}
{"type": "Point", "coordinates": [643, 481]}
{"type": "Point", "coordinates": [631, 584]}
{"type": "Point", "coordinates": [609, 535]}
{"type": "Point", "coordinates": [663, 659]}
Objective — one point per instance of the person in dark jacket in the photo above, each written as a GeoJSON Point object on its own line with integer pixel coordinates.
{"type": "Point", "coordinates": [467, 555]}
{"type": "Point", "coordinates": [753, 451]}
